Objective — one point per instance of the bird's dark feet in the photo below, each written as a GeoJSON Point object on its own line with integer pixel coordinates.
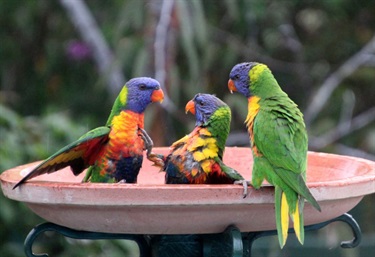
{"type": "Point", "coordinates": [245, 185]}
{"type": "Point", "coordinates": [148, 141]}
{"type": "Point", "coordinates": [157, 159]}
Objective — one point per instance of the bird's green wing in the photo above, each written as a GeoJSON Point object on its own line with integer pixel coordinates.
{"type": "Point", "coordinates": [281, 137]}
{"type": "Point", "coordinates": [230, 172]}
{"type": "Point", "coordinates": [78, 155]}
{"type": "Point", "coordinates": [298, 184]}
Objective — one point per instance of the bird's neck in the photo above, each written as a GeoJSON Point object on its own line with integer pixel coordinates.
{"type": "Point", "coordinates": [219, 127]}
{"type": "Point", "coordinates": [265, 86]}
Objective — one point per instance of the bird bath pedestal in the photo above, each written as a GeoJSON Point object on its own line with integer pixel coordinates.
{"type": "Point", "coordinates": [202, 220]}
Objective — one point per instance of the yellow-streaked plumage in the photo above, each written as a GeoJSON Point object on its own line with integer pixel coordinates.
{"type": "Point", "coordinates": [296, 224]}
{"type": "Point", "coordinates": [279, 143]}
{"type": "Point", "coordinates": [210, 151]}
{"type": "Point", "coordinates": [202, 145]}
{"type": "Point", "coordinates": [123, 96]}
{"type": "Point", "coordinates": [284, 217]}
{"type": "Point", "coordinates": [197, 157]}
{"type": "Point", "coordinates": [113, 152]}
{"type": "Point", "coordinates": [204, 132]}
{"type": "Point", "coordinates": [62, 158]}
{"type": "Point", "coordinates": [180, 141]}
{"type": "Point", "coordinates": [194, 172]}
{"type": "Point", "coordinates": [253, 109]}
{"type": "Point", "coordinates": [256, 71]}
{"type": "Point", "coordinates": [206, 166]}
{"type": "Point", "coordinates": [198, 143]}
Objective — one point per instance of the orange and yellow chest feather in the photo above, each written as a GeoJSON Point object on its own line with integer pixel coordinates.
{"type": "Point", "coordinates": [194, 155]}
{"type": "Point", "coordinates": [124, 136]}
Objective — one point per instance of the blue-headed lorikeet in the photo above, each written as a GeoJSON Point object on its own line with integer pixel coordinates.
{"type": "Point", "coordinates": [197, 157]}
{"type": "Point", "coordinates": [114, 152]}
{"type": "Point", "coordinates": [278, 141]}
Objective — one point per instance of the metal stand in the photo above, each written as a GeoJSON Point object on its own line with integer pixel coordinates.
{"type": "Point", "coordinates": [229, 243]}
{"type": "Point", "coordinates": [249, 238]}
{"type": "Point", "coordinates": [76, 234]}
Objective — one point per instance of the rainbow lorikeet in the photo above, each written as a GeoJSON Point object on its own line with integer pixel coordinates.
{"type": "Point", "coordinates": [113, 152]}
{"type": "Point", "coordinates": [197, 157]}
{"type": "Point", "coordinates": [278, 142]}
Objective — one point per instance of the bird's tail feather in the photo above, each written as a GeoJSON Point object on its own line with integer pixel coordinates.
{"type": "Point", "coordinates": [298, 222]}
{"type": "Point", "coordinates": [282, 217]}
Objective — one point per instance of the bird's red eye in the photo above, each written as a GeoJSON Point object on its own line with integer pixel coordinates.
{"type": "Point", "coordinates": [142, 87]}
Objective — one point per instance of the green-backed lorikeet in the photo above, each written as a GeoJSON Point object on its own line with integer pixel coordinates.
{"type": "Point", "coordinates": [113, 152]}
{"type": "Point", "coordinates": [278, 142]}
{"type": "Point", "coordinates": [197, 157]}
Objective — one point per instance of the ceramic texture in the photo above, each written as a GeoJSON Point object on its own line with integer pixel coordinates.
{"type": "Point", "coordinates": [151, 207]}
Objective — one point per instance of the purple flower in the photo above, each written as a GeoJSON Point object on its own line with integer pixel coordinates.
{"type": "Point", "coordinates": [78, 50]}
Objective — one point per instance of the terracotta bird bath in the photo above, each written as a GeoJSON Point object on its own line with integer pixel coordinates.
{"type": "Point", "coordinates": [150, 207]}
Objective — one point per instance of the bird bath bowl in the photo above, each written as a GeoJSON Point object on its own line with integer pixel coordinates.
{"type": "Point", "coordinates": [151, 207]}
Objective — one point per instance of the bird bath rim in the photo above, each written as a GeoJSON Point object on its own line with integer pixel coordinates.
{"type": "Point", "coordinates": [153, 207]}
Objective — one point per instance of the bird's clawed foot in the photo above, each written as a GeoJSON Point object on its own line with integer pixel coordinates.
{"type": "Point", "coordinates": [245, 185]}
{"type": "Point", "coordinates": [157, 159]}
{"type": "Point", "coordinates": [148, 141]}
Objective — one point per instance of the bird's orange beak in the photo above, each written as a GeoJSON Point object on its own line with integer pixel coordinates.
{"type": "Point", "coordinates": [231, 86]}
{"type": "Point", "coordinates": [190, 107]}
{"type": "Point", "coordinates": [157, 96]}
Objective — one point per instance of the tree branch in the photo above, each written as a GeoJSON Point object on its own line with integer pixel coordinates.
{"type": "Point", "coordinates": [160, 51]}
{"type": "Point", "coordinates": [333, 81]}
{"type": "Point", "coordinates": [343, 129]}
{"type": "Point", "coordinates": [85, 23]}
{"type": "Point", "coordinates": [252, 50]}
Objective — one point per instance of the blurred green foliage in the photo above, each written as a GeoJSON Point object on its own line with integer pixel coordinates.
{"type": "Point", "coordinates": [51, 91]}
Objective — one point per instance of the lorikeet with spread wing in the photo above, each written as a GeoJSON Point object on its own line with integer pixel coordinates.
{"type": "Point", "coordinates": [278, 142]}
{"type": "Point", "coordinates": [113, 152]}
{"type": "Point", "coordinates": [197, 157]}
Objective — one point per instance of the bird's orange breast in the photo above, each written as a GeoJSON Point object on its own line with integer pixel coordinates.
{"type": "Point", "coordinates": [124, 137]}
